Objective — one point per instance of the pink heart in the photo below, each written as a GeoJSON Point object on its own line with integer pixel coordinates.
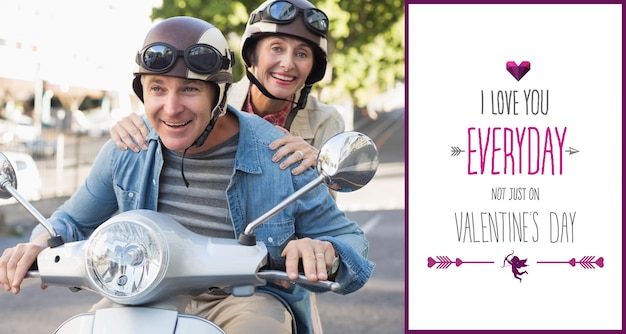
{"type": "Point", "coordinates": [431, 262]}
{"type": "Point", "coordinates": [518, 71]}
{"type": "Point", "coordinates": [600, 262]}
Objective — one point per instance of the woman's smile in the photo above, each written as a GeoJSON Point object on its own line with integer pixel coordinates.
{"type": "Point", "coordinates": [283, 77]}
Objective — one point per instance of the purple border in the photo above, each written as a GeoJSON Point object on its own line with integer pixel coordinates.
{"type": "Point", "coordinates": [406, 154]}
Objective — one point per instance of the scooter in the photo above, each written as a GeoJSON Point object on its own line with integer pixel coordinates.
{"type": "Point", "coordinates": [140, 259]}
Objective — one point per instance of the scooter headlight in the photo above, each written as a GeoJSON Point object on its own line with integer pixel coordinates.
{"type": "Point", "coordinates": [127, 258]}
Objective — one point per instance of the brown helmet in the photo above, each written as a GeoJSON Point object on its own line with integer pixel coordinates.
{"type": "Point", "coordinates": [294, 18]}
{"type": "Point", "coordinates": [187, 48]}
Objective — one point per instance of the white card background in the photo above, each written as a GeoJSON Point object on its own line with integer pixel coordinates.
{"type": "Point", "coordinates": [454, 53]}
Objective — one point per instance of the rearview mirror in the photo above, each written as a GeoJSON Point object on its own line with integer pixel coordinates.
{"type": "Point", "coordinates": [348, 160]}
{"type": "Point", "coordinates": [8, 189]}
{"type": "Point", "coordinates": [7, 177]}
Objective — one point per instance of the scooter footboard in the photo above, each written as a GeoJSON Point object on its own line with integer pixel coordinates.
{"type": "Point", "coordinates": [137, 320]}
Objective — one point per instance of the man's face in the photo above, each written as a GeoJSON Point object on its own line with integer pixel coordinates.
{"type": "Point", "coordinates": [178, 109]}
{"type": "Point", "coordinates": [282, 64]}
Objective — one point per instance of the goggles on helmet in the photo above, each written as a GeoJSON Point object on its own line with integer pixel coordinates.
{"type": "Point", "coordinates": [200, 58]}
{"type": "Point", "coordinates": [283, 12]}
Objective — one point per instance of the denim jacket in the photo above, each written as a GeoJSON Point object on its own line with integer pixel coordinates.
{"type": "Point", "coordinates": [125, 180]}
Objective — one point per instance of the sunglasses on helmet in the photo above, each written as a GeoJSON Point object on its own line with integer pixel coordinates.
{"type": "Point", "coordinates": [283, 12]}
{"type": "Point", "coordinates": [200, 58]}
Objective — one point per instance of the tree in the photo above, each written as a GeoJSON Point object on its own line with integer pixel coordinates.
{"type": "Point", "coordinates": [366, 42]}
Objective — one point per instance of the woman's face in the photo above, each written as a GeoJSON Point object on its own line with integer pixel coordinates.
{"type": "Point", "coordinates": [178, 109]}
{"type": "Point", "coordinates": [282, 64]}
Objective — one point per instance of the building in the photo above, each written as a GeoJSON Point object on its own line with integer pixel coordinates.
{"type": "Point", "coordinates": [66, 50]}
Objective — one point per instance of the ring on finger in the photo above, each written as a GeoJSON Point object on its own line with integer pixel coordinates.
{"type": "Point", "coordinates": [300, 153]}
{"type": "Point", "coordinates": [319, 256]}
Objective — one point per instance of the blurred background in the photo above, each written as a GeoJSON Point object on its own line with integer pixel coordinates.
{"type": "Point", "coordinates": [65, 78]}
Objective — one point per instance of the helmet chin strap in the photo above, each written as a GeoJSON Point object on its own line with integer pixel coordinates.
{"type": "Point", "coordinates": [256, 82]}
{"type": "Point", "coordinates": [304, 94]}
{"type": "Point", "coordinates": [217, 111]}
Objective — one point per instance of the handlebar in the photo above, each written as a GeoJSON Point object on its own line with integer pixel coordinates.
{"type": "Point", "coordinates": [267, 275]}
{"type": "Point", "coordinates": [33, 271]}
{"type": "Point", "coordinates": [275, 269]}
{"type": "Point", "coordinates": [276, 274]}
{"type": "Point", "coordinates": [32, 274]}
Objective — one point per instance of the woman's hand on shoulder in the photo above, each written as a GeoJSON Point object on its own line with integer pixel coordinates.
{"type": "Point", "coordinates": [130, 132]}
{"type": "Point", "coordinates": [295, 149]}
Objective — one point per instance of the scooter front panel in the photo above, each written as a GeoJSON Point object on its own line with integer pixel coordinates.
{"type": "Point", "coordinates": [81, 323]}
{"type": "Point", "coordinates": [137, 320]}
{"type": "Point", "coordinates": [188, 324]}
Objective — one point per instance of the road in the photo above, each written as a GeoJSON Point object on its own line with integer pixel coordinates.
{"type": "Point", "coordinates": [376, 308]}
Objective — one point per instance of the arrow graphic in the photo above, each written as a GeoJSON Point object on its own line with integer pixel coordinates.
{"type": "Point", "coordinates": [456, 151]}
{"type": "Point", "coordinates": [571, 151]}
{"type": "Point", "coordinates": [443, 262]}
{"type": "Point", "coordinates": [586, 262]}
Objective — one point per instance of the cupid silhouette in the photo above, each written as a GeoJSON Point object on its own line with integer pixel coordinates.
{"type": "Point", "coordinates": [516, 264]}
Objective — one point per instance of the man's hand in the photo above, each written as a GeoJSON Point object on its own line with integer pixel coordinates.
{"type": "Point", "coordinates": [15, 262]}
{"type": "Point", "coordinates": [317, 259]}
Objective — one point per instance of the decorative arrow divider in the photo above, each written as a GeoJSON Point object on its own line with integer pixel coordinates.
{"type": "Point", "coordinates": [445, 262]}
{"type": "Point", "coordinates": [586, 262]}
{"type": "Point", "coordinates": [456, 151]}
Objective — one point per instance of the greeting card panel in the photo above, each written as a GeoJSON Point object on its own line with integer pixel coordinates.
{"type": "Point", "coordinates": [515, 166]}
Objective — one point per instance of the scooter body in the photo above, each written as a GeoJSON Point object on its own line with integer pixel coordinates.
{"type": "Point", "coordinates": [188, 264]}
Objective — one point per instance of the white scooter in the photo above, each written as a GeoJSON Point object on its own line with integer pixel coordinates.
{"type": "Point", "coordinates": [140, 260]}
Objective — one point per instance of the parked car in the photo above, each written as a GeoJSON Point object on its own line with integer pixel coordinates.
{"type": "Point", "coordinates": [40, 148]}
{"type": "Point", "coordinates": [6, 134]}
{"type": "Point", "coordinates": [28, 178]}
{"type": "Point", "coordinates": [16, 131]}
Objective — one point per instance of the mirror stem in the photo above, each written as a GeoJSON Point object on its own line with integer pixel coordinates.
{"type": "Point", "coordinates": [247, 237]}
{"type": "Point", "coordinates": [55, 238]}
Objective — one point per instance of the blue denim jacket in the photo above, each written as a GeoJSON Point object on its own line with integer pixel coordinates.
{"type": "Point", "coordinates": [124, 180]}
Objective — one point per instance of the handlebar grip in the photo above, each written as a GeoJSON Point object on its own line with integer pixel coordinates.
{"type": "Point", "coordinates": [278, 263]}
{"type": "Point", "coordinates": [33, 271]}
{"type": "Point", "coordinates": [34, 266]}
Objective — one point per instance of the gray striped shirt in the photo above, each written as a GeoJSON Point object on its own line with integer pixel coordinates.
{"type": "Point", "coordinates": [202, 208]}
